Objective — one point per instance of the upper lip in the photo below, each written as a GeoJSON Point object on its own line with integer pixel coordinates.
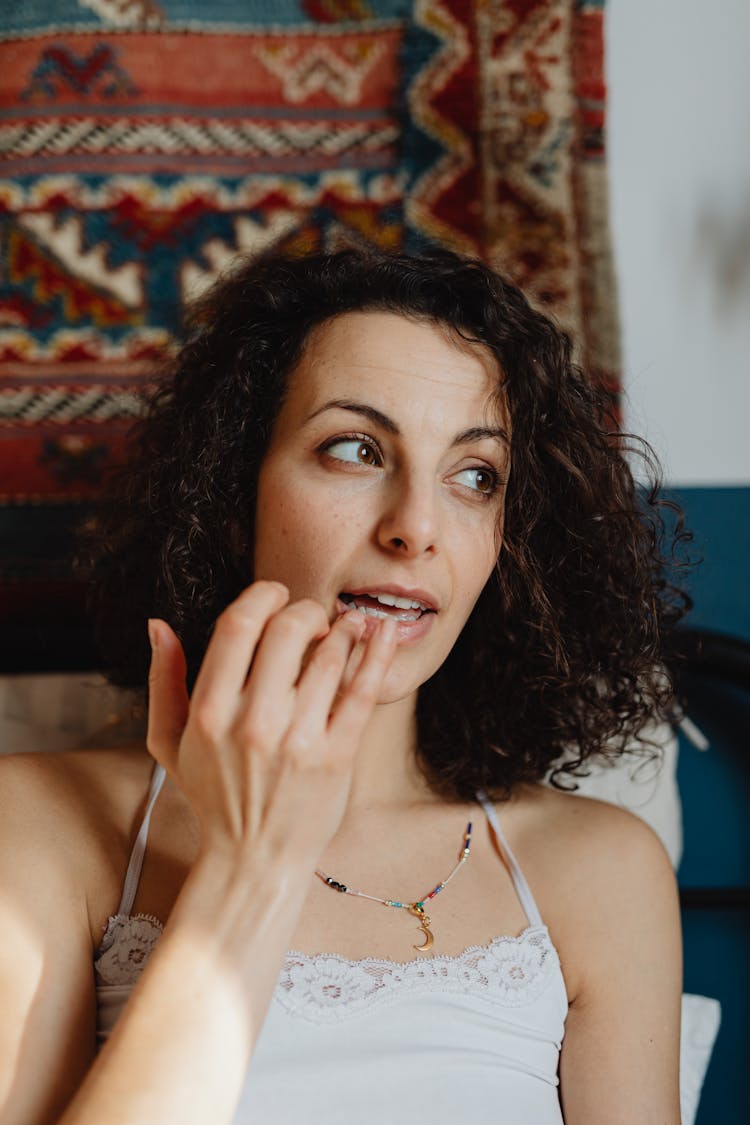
{"type": "Point", "coordinates": [428, 600]}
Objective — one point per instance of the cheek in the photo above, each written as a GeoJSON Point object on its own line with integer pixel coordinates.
{"type": "Point", "coordinates": [478, 556]}
{"type": "Point", "coordinates": [300, 540]}
{"type": "Point", "coordinates": [285, 539]}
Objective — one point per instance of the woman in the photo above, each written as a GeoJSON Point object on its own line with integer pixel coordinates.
{"type": "Point", "coordinates": [396, 569]}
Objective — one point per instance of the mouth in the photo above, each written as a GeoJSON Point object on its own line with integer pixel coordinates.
{"type": "Point", "coordinates": [403, 606]}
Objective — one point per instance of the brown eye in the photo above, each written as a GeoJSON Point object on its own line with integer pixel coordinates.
{"type": "Point", "coordinates": [483, 481]}
{"type": "Point", "coordinates": [353, 450]}
{"type": "Point", "coordinates": [366, 454]}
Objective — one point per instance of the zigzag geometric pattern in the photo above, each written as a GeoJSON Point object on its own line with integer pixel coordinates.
{"type": "Point", "coordinates": [63, 406]}
{"type": "Point", "coordinates": [145, 144]}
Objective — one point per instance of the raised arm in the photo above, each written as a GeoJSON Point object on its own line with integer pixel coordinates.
{"type": "Point", "coordinates": [266, 762]}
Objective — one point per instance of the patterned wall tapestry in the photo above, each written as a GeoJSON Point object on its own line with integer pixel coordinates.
{"type": "Point", "coordinates": [146, 142]}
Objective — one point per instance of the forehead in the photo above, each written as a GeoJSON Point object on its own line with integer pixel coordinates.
{"type": "Point", "coordinates": [382, 354]}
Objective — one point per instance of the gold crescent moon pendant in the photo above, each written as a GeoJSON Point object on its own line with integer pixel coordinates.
{"type": "Point", "coordinates": [429, 940]}
{"type": "Point", "coordinates": [424, 925]}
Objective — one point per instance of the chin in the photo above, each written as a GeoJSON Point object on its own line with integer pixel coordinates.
{"type": "Point", "coordinates": [397, 687]}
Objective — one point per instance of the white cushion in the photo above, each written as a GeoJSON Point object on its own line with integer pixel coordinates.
{"type": "Point", "coordinates": [701, 1017]}
{"type": "Point", "coordinates": [61, 711]}
{"type": "Point", "coordinates": [648, 789]}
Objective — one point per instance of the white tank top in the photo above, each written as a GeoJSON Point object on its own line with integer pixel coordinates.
{"type": "Point", "coordinates": [472, 1038]}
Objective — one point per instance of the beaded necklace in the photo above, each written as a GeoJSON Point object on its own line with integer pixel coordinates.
{"type": "Point", "coordinates": [415, 908]}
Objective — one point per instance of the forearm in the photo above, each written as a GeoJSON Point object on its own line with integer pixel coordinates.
{"type": "Point", "coordinates": [181, 1047]}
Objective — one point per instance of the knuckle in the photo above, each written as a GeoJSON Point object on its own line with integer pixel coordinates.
{"type": "Point", "coordinates": [300, 620]}
{"type": "Point", "coordinates": [286, 627]}
{"type": "Point", "coordinates": [234, 620]}
{"type": "Point", "coordinates": [299, 744]}
{"type": "Point", "coordinates": [253, 606]}
{"type": "Point", "coordinates": [265, 587]}
{"type": "Point", "coordinates": [313, 606]}
{"type": "Point", "coordinates": [309, 613]}
{"type": "Point", "coordinates": [260, 593]}
{"type": "Point", "coordinates": [328, 662]}
{"type": "Point", "coordinates": [205, 726]}
{"type": "Point", "coordinates": [251, 731]}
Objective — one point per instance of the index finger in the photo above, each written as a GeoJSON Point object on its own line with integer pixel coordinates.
{"type": "Point", "coordinates": [359, 698]}
{"type": "Point", "coordinates": [236, 634]}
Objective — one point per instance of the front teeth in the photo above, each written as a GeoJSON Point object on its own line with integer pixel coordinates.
{"type": "Point", "coordinates": [399, 603]}
{"type": "Point", "coordinates": [414, 608]}
{"type": "Point", "coordinates": [369, 611]}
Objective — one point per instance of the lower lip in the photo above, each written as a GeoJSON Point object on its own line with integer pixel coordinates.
{"type": "Point", "coordinates": [407, 632]}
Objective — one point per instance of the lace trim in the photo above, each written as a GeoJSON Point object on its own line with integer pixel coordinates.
{"type": "Point", "coordinates": [325, 988]}
{"type": "Point", "coordinates": [126, 947]}
{"type": "Point", "coordinates": [509, 971]}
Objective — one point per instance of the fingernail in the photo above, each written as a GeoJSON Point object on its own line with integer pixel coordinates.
{"type": "Point", "coordinates": [153, 634]}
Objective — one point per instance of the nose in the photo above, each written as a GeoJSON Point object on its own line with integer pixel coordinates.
{"type": "Point", "coordinates": [410, 519]}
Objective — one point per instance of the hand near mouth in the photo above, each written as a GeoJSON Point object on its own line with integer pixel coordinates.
{"type": "Point", "coordinates": [265, 756]}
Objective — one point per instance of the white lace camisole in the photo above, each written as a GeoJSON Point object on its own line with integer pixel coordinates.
{"type": "Point", "coordinates": [472, 1038]}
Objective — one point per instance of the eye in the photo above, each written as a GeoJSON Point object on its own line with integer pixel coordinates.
{"type": "Point", "coordinates": [480, 479]}
{"type": "Point", "coordinates": [356, 449]}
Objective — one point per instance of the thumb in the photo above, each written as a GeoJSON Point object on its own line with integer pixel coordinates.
{"type": "Point", "coordinates": [168, 698]}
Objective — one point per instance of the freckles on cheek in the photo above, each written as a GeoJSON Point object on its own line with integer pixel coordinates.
{"type": "Point", "coordinates": [294, 546]}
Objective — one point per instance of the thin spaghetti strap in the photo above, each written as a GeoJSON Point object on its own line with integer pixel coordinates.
{"type": "Point", "coordinates": [133, 873]}
{"type": "Point", "coordinates": [519, 880]}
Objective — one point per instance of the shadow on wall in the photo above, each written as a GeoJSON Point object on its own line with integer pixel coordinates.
{"type": "Point", "coordinates": [721, 249]}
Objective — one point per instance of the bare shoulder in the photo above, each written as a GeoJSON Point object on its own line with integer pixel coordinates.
{"type": "Point", "coordinates": [596, 870]}
{"type": "Point", "coordinates": [64, 825]}
{"type": "Point", "coordinates": [71, 812]}
{"type": "Point", "coordinates": [71, 782]}
{"type": "Point", "coordinates": [607, 891]}
{"type": "Point", "coordinates": [586, 834]}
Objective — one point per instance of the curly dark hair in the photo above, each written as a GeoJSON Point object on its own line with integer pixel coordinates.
{"type": "Point", "coordinates": [560, 659]}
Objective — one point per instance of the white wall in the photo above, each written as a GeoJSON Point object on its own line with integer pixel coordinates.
{"type": "Point", "coordinates": [679, 159]}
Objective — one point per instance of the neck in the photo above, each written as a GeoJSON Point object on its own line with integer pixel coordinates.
{"type": "Point", "coordinates": [385, 769]}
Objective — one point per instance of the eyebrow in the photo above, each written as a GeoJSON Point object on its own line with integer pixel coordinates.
{"type": "Point", "coordinates": [474, 433]}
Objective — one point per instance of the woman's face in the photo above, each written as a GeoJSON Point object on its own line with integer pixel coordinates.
{"type": "Point", "coordinates": [385, 479]}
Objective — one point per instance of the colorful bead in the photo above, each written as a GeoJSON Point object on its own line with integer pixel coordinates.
{"type": "Point", "coordinates": [416, 907]}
